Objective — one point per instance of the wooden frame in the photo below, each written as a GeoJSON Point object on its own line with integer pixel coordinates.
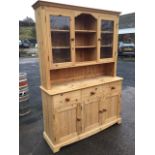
{"type": "Point", "coordinates": [81, 95]}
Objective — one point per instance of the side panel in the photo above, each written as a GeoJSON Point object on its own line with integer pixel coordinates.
{"type": "Point", "coordinates": [42, 46]}
{"type": "Point", "coordinates": [48, 118]}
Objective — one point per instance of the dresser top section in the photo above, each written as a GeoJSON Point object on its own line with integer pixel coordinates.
{"type": "Point", "coordinates": [72, 7]}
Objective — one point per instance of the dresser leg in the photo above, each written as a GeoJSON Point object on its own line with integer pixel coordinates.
{"type": "Point", "coordinates": [56, 149]}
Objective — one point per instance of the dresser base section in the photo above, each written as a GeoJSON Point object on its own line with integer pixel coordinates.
{"type": "Point", "coordinates": [56, 147]}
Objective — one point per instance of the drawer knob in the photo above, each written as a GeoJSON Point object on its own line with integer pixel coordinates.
{"type": "Point", "coordinates": [100, 111]}
{"type": "Point", "coordinates": [78, 119]}
{"type": "Point", "coordinates": [67, 99]}
{"type": "Point", "coordinates": [112, 87]}
{"type": "Point", "coordinates": [92, 93]}
{"type": "Point", "coordinates": [104, 110]}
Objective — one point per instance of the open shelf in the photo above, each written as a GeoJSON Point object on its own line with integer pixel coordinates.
{"type": "Point", "coordinates": [86, 54]}
{"type": "Point", "coordinates": [81, 73]}
{"type": "Point", "coordinates": [85, 39]}
{"type": "Point", "coordinates": [85, 22]}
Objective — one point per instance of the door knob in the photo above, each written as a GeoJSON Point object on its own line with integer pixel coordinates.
{"type": "Point", "coordinates": [92, 93]}
{"type": "Point", "coordinates": [78, 119]}
{"type": "Point", "coordinates": [67, 99]}
{"type": "Point", "coordinates": [112, 87]}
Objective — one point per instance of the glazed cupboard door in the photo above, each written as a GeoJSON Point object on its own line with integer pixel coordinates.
{"type": "Point", "coordinates": [106, 38]}
{"type": "Point", "coordinates": [61, 39]}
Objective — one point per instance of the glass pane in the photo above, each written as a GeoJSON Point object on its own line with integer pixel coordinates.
{"type": "Point", "coordinates": [60, 22]}
{"type": "Point", "coordinates": [60, 39]}
{"type": "Point", "coordinates": [61, 55]}
{"type": "Point", "coordinates": [106, 39]}
{"type": "Point", "coordinates": [107, 25]}
{"type": "Point", "coordinates": [106, 52]}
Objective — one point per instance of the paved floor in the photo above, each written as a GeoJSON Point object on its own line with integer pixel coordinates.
{"type": "Point", "coordinates": [116, 140]}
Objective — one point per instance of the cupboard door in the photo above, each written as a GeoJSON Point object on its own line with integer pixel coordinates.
{"type": "Point", "coordinates": [90, 113]}
{"type": "Point", "coordinates": [67, 119]}
{"type": "Point", "coordinates": [112, 105]}
{"type": "Point", "coordinates": [107, 36]}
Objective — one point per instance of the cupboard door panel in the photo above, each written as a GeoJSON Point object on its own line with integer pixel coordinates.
{"type": "Point", "coordinates": [91, 113]}
{"type": "Point", "coordinates": [66, 118]}
{"type": "Point", "coordinates": [112, 107]}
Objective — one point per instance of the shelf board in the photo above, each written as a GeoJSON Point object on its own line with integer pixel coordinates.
{"type": "Point", "coordinates": [55, 30]}
{"type": "Point", "coordinates": [61, 47]}
{"type": "Point", "coordinates": [81, 63]}
{"type": "Point", "coordinates": [85, 31]}
{"type": "Point", "coordinates": [107, 32]}
{"type": "Point", "coordinates": [109, 45]}
{"type": "Point", "coordinates": [84, 63]}
{"type": "Point", "coordinates": [89, 46]}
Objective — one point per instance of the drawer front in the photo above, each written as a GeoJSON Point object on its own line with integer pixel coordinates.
{"type": "Point", "coordinates": [66, 99]}
{"type": "Point", "coordinates": [91, 92]}
{"type": "Point", "coordinates": [113, 88]}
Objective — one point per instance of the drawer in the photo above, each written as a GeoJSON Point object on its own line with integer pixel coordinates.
{"type": "Point", "coordinates": [91, 92]}
{"type": "Point", "coordinates": [65, 99]}
{"type": "Point", "coordinates": [112, 88]}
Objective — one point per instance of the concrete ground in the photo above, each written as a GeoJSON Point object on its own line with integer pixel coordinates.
{"type": "Point", "coordinates": [116, 140]}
